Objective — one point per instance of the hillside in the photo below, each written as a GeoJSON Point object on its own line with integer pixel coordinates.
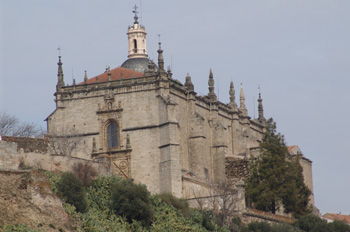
{"type": "Point", "coordinates": [26, 198]}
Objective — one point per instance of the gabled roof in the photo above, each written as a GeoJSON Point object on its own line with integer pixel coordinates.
{"type": "Point", "coordinates": [337, 217]}
{"type": "Point", "coordinates": [116, 74]}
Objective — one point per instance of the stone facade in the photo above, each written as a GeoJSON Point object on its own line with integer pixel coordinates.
{"type": "Point", "coordinates": [154, 129]}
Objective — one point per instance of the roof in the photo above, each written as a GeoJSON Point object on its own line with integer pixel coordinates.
{"type": "Point", "coordinates": [136, 64]}
{"type": "Point", "coordinates": [337, 217]}
{"type": "Point", "coordinates": [116, 74]}
{"type": "Point", "coordinates": [291, 148]}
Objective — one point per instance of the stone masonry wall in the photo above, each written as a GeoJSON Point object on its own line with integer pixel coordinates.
{"type": "Point", "coordinates": [9, 158]}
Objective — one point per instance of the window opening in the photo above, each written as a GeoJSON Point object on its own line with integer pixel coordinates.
{"type": "Point", "coordinates": [135, 44]}
{"type": "Point", "coordinates": [112, 133]}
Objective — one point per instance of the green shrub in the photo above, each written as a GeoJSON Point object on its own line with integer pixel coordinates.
{"type": "Point", "coordinates": [311, 223]}
{"type": "Point", "coordinates": [132, 201]}
{"type": "Point", "coordinates": [204, 218]}
{"type": "Point", "coordinates": [338, 226]}
{"type": "Point", "coordinates": [177, 203]}
{"type": "Point", "coordinates": [259, 227]}
{"type": "Point", "coordinates": [283, 227]}
{"type": "Point", "coordinates": [72, 191]}
{"type": "Point", "coordinates": [18, 228]}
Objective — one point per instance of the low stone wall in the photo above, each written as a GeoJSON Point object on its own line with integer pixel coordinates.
{"type": "Point", "coordinates": [38, 145]}
{"type": "Point", "coordinates": [9, 158]}
{"type": "Point", "coordinates": [31, 153]}
{"type": "Point", "coordinates": [252, 215]}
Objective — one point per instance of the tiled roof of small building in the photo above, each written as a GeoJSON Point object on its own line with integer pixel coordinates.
{"type": "Point", "coordinates": [291, 148]}
{"type": "Point", "coordinates": [116, 74]}
{"type": "Point", "coordinates": [337, 217]}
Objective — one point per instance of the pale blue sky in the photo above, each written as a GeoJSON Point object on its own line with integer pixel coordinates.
{"type": "Point", "coordinates": [297, 50]}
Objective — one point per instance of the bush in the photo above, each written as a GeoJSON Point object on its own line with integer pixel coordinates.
{"type": "Point", "coordinates": [204, 218]}
{"type": "Point", "coordinates": [311, 223]}
{"type": "Point", "coordinates": [283, 227]}
{"type": "Point", "coordinates": [259, 227]}
{"type": "Point", "coordinates": [132, 201]}
{"type": "Point", "coordinates": [17, 228]}
{"type": "Point", "coordinates": [85, 172]}
{"type": "Point", "coordinates": [338, 226]}
{"type": "Point", "coordinates": [177, 203]}
{"type": "Point", "coordinates": [70, 188]}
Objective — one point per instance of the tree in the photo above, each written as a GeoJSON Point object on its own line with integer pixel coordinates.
{"type": "Point", "coordinates": [72, 191]}
{"type": "Point", "coordinates": [85, 172]}
{"type": "Point", "coordinates": [275, 179]}
{"type": "Point", "coordinates": [220, 198]}
{"type": "Point", "coordinates": [132, 201]}
{"type": "Point", "coordinates": [10, 125]}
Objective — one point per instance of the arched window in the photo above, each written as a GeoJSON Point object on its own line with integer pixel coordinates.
{"type": "Point", "coordinates": [112, 135]}
{"type": "Point", "coordinates": [135, 44]}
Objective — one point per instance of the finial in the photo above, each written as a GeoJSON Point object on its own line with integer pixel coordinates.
{"type": "Point", "coordinates": [128, 146]}
{"type": "Point", "coordinates": [74, 81]}
{"type": "Point", "coordinates": [109, 75]}
{"type": "Point", "coordinates": [60, 82]}
{"type": "Point", "coordinates": [94, 145]}
{"type": "Point", "coordinates": [170, 74]}
{"type": "Point", "coordinates": [261, 109]}
{"type": "Point", "coordinates": [135, 12]}
{"type": "Point", "coordinates": [188, 83]}
{"type": "Point", "coordinates": [59, 51]}
{"type": "Point", "coordinates": [242, 106]}
{"type": "Point", "coordinates": [232, 103]}
{"type": "Point", "coordinates": [85, 77]}
{"type": "Point", "coordinates": [211, 95]}
{"type": "Point", "coordinates": [160, 58]}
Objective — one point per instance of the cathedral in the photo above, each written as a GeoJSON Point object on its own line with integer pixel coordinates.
{"type": "Point", "coordinates": [149, 127]}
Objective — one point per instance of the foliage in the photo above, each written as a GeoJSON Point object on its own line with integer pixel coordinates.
{"type": "Point", "coordinates": [338, 226]}
{"type": "Point", "coordinates": [18, 228]}
{"type": "Point", "coordinates": [206, 219]}
{"type": "Point", "coordinates": [167, 218]}
{"type": "Point", "coordinates": [85, 172]}
{"type": "Point", "coordinates": [257, 227]}
{"type": "Point", "coordinates": [10, 125]}
{"type": "Point", "coordinates": [178, 203]}
{"type": "Point", "coordinates": [132, 201]}
{"type": "Point", "coordinates": [283, 227]}
{"type": "Point", "coordinates": [99, 217]}
{"type": "Point", "coordinates": [311, 223]}
{"type": "Point", "coordinates": [72, 191]}
{"type": "Point", "coordinates": [275, 179]}
{"type": "Point", "coordinates": [54, 179]}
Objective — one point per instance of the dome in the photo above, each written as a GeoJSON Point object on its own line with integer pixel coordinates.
{"type": "Point", "coordinates": [136, 64]}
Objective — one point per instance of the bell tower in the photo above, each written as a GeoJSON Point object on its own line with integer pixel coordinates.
{"type": "Point", "coordinates": [137, 39]}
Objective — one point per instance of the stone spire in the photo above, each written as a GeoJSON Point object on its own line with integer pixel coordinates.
{"type": "Point", "coordinates": [232, 103]}
{"type": "Point", "coordinates": [85, 77]}
{"type": "Point", "coordinates": [261, 111]}
{"type": "Point", "coordinates": [212, 95]}
{"type": "Point", "coordinates": [160, 59]}
{"type": "Point", "coordinates": [109, 74]}
{"type": "Point", "coordinates": [60, 82]}
{"type": "Point", "coordinates": [188, 83]}
{"type": "Point", "coordinates": [242, 106]}
{"type": "Point", "coordinates": [137, 39]}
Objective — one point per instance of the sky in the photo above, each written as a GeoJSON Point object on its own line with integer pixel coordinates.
{"type": "Point", "coordinates": [297, 51]}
